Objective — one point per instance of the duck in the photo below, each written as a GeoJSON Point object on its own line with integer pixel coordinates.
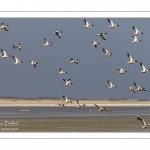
{"type": "Point", "coordinates": [17, 46]}
{"type": "Point", "coordinates": [79, 105]}
{"type": "Point", "coordinates": [138, 88]}
{"type": "Point", "coordinates": [61, 71]}
{"type": "Point", "coordinates": [135, 40]}
{"type": "Point", "coordinates": [112, 25]}
{"type": "Point", "coordinates": [94, 43]}
{"type": "Point", "coordinates": [145, 125]}
{"type": "Point", "coordinates": [101, 108]}
{"type": "Point", "coordinates": [74, 61]}
{"type": "Point", "coordinates": [144, 70]}
{"type": "Point", "coordinates": [136, 31]}
{"type": "Point", "coordinates": [111, 85]}
{"type": "Point", "coordinates": [131, 89]}
{"type": "Point", "coordinates": [4, 54]}
{"type": "Point", "coordinates": [17, 61]}
{"type": "Point", "coordinates": [131, 61]}
{"type": "Point", "coordinates": [58, 33]}
{"type": "Point", "coordinates": [87, 25]}
{"type": "Point", "coordinates": [121, 71]}
{"type": "Point", "coordinates": [67, 100]}
{"type": "Point", "coordinates": [102, 35]}
{"type": "Point", "coordinates": [47, 43]}
{"type": "Point", "coordinates": [106, 52]}
{"type": "Point", "coordinates": [33, 63]}
{"type": "Point", "coordinates": [67, 82]}
{"type": "Point", "coordinates": [3, 26]}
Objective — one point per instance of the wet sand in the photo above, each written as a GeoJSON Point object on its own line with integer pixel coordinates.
{"type": "Point", "coordinates": [74, 124]}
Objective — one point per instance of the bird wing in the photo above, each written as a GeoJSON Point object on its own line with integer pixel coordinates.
{"type": "Point", "coordinates": [65, 98]}
{"type": "Point", "coordinates": [143, 67]}
{"type": "Point", "coordinates": [64, 80]}
{"type": "Point", "coordinates": [135, 84]}
{"type": "Point", "coordinates": [103, 37]}
{"type": "Point", "coordinates": [97, 106]}
{"type": "Point", "coordinates": [86, 23]}
{"type": "Point", "coordinates": [130, 58]}
{"type": "Point", "coordinates": [110, 83]}
{"type": "Point", "coordinates": [78, 102]}
{"type": "Point", "coordinates": [104, 50]}
{"type": "Point", "coordinates": [110, 22]}
{"type": "Point", "coordinates": [3, 51]}
{"type": "Point", "coordinates": [135, 28]}
{"type": "Point", "coordinates": [15, 58]}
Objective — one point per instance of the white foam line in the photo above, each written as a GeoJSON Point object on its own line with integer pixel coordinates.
{"type": "Point", "coordinates": [68, 105]}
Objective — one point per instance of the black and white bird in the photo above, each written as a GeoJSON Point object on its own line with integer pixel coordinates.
{"type": "Point", "coordinates": [136, 31]}
{"type": "Point", "coordinates": [111, 85]}
{"type": "Point", "coordinates": [74, 61]}
{"type": "Point", "coordinates": [145, 125]}
{"type": "Point", "coordinates": [94, 43]}
{"type": "Point", "coordinates": [3, 26]}
{"type": "Point", "coordinates": [17, 46]}
{"type": "Point", "coordinates": [135, 39]}
{"type": "Point", "coordinates": [106, 52]}
{"type": "Point", "coordinates": [17, 61]}
{"type": "Point", "coordinates": [33, 63]}
{"type": "Point", "coordinates": [131, 89]}
{"type": "Point", "coordinates": [112, 25]}
{"type": "Point", "coordinates": [58, 33]}
{"type": "Point", "coordinates": [144, 70]}
{"type": "Point", "coordinates": [101, 108]}
{"type": "Point", "coordinates": [67, 82]}
{"type": "Point", "coordinates": [47, 43]}
{"type": "Point", "coordinates": [138, 88]}
{"type": "Point", "coordinates": [61, 104]}
{"type": "Point", "coordinates": [102, 35]}
{"type": "Point", "coordinates": [61, 71]}
{"type": "Point", "coordinates": [87, 25]}
{"type": "Point", "coordinates": [4, 54]}
{"type": "Point", "coordinates": [121, 71]}
{"type": "Point", "coordinates": [67, 100]}
{"type": "Point", "coordinates": [79, 105]}
{"type": "Point", "coordinates": [131, 61]}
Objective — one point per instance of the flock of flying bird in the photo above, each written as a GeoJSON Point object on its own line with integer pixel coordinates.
{"type": "Point", "coordinates": [75, 61]}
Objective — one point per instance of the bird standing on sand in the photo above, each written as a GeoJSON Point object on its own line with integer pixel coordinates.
{"type": "Point", "coordinates": [79, 105]}
{"type": "Point", "coordinates": [144, 123]}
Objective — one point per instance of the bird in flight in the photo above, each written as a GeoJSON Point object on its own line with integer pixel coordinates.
{"type": "Point", "coordinates": [112, 25]}
{"type": "Point", "coordinates": [58, 33]}
{"type": "Point", "coordinates": [33, 63]}
{"type": "Point", "coordinates": [79, 105]}
{"type": "Point", "coordinates": [102, 35]}
{"type": "Point", "coordinates": [47, 43]}
{"type": "Point", "coordinates": [87, 25]}
{"type": "Point", "coordinates": [145, 125]}
{"type": "Point", "coordinates": [136, 31]}
{"type": "Point", "coordinates": [3, 26]}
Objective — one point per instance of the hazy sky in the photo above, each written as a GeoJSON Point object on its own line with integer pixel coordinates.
{"type": "Point", "coordinates": [90, 78]}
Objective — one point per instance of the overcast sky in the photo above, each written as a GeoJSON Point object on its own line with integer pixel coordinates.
{"type": "Point", "coordinates": [90, 78]}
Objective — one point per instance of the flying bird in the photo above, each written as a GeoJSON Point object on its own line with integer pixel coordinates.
{"type": "Point", "coordinates": [106, 52]}
{"type": "Point", "coordinates": [32, 63]}
{"type": "Point", "coordinates": [101, 108]}
{"type": "Point", "coordinates": [102, 35]}
{"type": "Point", "coordinates": [79, 105]}
{"type": "Point", "coordinates": [94, 43]}
{"type": "Point", "coordinates": [143, 121]}
{"type": "Point", "coordinates": [135, 40]}
{"type": "Point", "coordinates": [67, 82]}
{"type": "Point", "coordinates": [131, 89]}
{"type": "Point", "coordinates": [87, 25]}
{"type": "Point", "coordinates": [3, 26]}
{"type": "Point", "coordinates": [121, 71]}
{"type": "Point", "coordinates": [61, 71]}
{"type": "Point", "coordinates": [67, 100]}
{"type": "Point", "coordinates": [138, 88]}
{"type": "Point", "coordinates": [111, 85]}
{"type": "Point", "coordinates": [17, 61]}
{"type": "Point", "coordinates": [58, 33]}
{"type": "Point", "coordinates": [136, 31]}
{"type": "Point", "coordinates": [74, 61]}
{"type": "Point", "coordinates": [47, 43]}
{"type": "Point", "coordinates": [4, 54]}
{"type": "Point", "coordinates": [144, 70]}
{"type": "Point", "coordinates": [131, 61]}
{"type": "Point", "coordinates": [17, 46]}
{"type": "Point", "coordinates": [112, 25]}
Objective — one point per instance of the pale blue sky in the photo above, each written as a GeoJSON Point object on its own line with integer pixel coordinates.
{"type": "Point", "coordinates": [90, 78]}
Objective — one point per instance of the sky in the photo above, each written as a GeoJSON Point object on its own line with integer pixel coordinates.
{"type": "Point", "coordinates": [90, 78]}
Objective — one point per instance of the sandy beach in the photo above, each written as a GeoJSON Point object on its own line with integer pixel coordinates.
{"type": "Point", "coordinates": [54, 102]}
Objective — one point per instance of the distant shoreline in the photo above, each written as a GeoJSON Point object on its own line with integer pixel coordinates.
{"type": "Point", "coordinates": [54, 102]}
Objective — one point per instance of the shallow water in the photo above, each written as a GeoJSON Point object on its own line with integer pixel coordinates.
{"type": "Point", "coordinates": [71, 119]}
